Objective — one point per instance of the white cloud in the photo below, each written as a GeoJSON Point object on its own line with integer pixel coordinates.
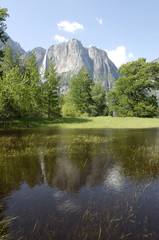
{"type": "Point", "coordinates": [119, 56]}
{"type": "Point", "coordinates": [100, 20]}
{"type": "Point", "coordinates": [69, 27]}
{"type": "Point", "coordinates": [60, 38]}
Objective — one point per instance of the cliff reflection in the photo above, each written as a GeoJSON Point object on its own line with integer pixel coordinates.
{"type": "Point", "coordinates": [67, 176]}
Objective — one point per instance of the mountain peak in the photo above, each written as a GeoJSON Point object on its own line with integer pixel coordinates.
{"type": "Point", "coordinates": [75, 40]}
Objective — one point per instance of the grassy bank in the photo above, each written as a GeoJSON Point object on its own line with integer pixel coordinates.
{"type": "Point", "coordinates": [92, 122]}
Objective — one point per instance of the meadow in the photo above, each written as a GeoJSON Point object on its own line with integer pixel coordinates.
{"type": "Point", "coordinates": [83, 122]}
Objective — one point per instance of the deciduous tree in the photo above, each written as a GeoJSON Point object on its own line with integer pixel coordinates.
{"type": "Point", "coordinates": [132, 95]}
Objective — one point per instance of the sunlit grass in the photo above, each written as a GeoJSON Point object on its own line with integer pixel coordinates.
{"type": "Point", "coordinates": [87, 122]}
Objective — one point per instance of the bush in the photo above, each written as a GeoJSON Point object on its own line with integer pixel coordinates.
{"type": "Point", "coordinates": [69, 110]}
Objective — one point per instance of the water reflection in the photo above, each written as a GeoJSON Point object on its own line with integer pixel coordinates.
{"type": "Point", "coordinates": [42, 166]}
{"type": "Point", "coordinates": [90, 181]}
{"type": "Point", "coordinates": [67, 176]}
{"type": "Point", "coordinates": [114, 178]}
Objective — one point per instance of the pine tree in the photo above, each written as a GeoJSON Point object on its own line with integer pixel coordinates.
{"type": "Point", "coordinates": [3, 37]}
{"type": "Point", "coordinates": [10, 91]}
{"type": "Point", "coordinates": [50, 91]}
{"type": "Point", "coordinates": [8, 59]}
{"type": "Point", "coordinates": [31, 86]}
{"type": "Point", "coordinates": [80, 91]}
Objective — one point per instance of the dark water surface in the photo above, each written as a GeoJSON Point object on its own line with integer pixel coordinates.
{"type": "Point", "coordinates": [80, 184]}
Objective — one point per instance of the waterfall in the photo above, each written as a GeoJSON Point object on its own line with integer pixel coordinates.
{"type": "Point", "coordinates": [44, 64]}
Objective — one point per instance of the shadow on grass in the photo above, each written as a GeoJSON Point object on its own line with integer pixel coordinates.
{"type": "Point", "coordinates": [43, 122]}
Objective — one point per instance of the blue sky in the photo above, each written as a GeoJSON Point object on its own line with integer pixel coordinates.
{"type": "Point", "coordinates": [127, 29]}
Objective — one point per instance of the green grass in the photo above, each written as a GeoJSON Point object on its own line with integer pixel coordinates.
{"type": "Point", "coordinates": [87, 122]}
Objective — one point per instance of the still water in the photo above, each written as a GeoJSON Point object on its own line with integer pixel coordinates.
{"type": "Point", "coordinates": [79, 184]}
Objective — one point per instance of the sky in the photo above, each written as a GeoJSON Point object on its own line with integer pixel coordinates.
{"type": "Point", "coordinates": [126, 29]}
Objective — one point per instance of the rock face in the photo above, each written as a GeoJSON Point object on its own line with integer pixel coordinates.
{"type": "Point", "coordinates": [70, 57]}
{"type": "Point", "coordinates": [103, 69]}
{"type": "Point", "coordinates": [15, 46]}
{"type": "Point", "coordinates": [39, 53]}
{"type": "Point", "coordinates": [156, 60]}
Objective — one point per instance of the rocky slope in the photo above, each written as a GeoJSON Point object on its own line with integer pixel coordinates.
{"type": "Point", "coordinates": [15, 45]}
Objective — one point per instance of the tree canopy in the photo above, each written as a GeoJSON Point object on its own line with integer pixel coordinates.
{"type": "Point", "coordinates": [133, 95]}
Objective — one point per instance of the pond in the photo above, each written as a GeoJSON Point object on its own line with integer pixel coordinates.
{"type": "Point", "coordinates": [79, 184]}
